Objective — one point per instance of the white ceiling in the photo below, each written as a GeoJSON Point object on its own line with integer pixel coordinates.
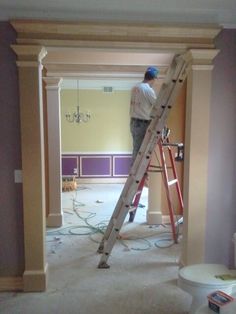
{"type": "Point", "coordinates": [221, 12]}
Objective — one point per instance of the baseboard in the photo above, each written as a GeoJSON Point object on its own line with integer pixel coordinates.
{"type": "Point", "coordinates": [11, 284]}
{"type": "Point", "coordinates": [54, 220]}
{"type": "Point", "coordinates": [35, 280]}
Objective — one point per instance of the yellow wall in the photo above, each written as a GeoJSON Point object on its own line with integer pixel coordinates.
{"type": "Point", "coordinates": [108, 128]}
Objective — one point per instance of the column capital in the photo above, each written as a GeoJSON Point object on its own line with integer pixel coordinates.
{"type": "Point", "coordinates": [29, 55]}
{"type": "Point", "coordinates": [52, 82]}
{"type": "Point", "coordinates": [202, 57]}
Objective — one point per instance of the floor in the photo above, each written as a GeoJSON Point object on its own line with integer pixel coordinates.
{"type": "Point", "coordinates": [142, 278]}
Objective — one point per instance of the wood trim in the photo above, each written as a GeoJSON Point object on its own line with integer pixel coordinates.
{"type": "Point", "coordinates": [175, 47]}
{"type": "Point", "coordinates": [54, 33]}
{"type": "Point", "coordinates": [113, 37]}
{"type": "Point", "coordinates": [104, 70]}
{"type": "Point", "coordinates": [11, 284]}
{"type": "Point", "coordinates": [29, 53]}
{"type": "Point", "coordinates": [36, 280]}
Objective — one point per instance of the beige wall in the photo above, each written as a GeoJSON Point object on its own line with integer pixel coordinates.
{"type": "Point", "coordinates": [108, 128]}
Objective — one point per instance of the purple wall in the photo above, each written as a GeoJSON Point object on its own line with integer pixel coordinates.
{"type": "Point", "coordinates": [11, 209]}
{"type": "Point", "coordinates": [221, 215]}
{"type": "Point", "coordinates": [96, 165]}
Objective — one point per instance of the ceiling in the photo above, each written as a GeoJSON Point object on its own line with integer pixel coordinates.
{"type": "Point", "coordinates": [218, 12]}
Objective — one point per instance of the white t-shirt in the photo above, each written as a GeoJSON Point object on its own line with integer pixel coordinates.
{"type": "Point", "coordinates": [142, 100]}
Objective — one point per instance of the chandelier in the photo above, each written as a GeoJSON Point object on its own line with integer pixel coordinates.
{"type": "Point", "coordinates": [77, 116]}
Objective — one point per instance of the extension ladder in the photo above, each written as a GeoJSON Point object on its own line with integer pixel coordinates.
{"type": "Point", "coordinates": [170, 180]}
{"type": "Point", "coordinates": [169, 90]}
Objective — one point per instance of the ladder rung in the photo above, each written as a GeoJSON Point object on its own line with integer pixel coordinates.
{"type": "Point", "coordinates": [172, 182]}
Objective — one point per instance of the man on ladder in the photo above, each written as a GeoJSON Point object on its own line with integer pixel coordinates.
{"type": "Point", "coordinates": [143, 98]}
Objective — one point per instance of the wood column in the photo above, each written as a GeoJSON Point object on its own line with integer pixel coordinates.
{"type": "Point", "coordinates": [196, 155]}
{"type": "Point", "coordinates": [55, 214]}
{"type": "Point", "coordinates": [33, 164]}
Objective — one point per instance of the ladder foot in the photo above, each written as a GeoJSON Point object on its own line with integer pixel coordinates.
{"type": "Point", "coordinates": [103, 265]}
{"type": "Point", "coordinates": [100, 248]}
{"type": "Point", "coordinates": [176, 240]}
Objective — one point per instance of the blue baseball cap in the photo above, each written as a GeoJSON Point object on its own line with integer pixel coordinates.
{"type": "Point", "coordinates": [151, 72]}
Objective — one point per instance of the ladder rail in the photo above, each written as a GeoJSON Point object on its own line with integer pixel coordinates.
{"type": "Point", "coordinates": [169, 201]}
{"type": "Point", "coordinates": [180, 198]}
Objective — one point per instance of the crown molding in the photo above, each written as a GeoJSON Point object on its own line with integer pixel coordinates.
{"type": "Point", "coordinates": [29, 53]}
{"type": "Point", "coordinates": [100, 71]}
{"type": "Point", "coordinates": [116, 35]}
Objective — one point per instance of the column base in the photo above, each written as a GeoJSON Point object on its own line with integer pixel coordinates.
{"type": "Point", "coordinates": [154, 218]}
{"type": "Point", "coordinates": [55, 220]}
{"type": "Point", "coordinates": [35, 280]}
